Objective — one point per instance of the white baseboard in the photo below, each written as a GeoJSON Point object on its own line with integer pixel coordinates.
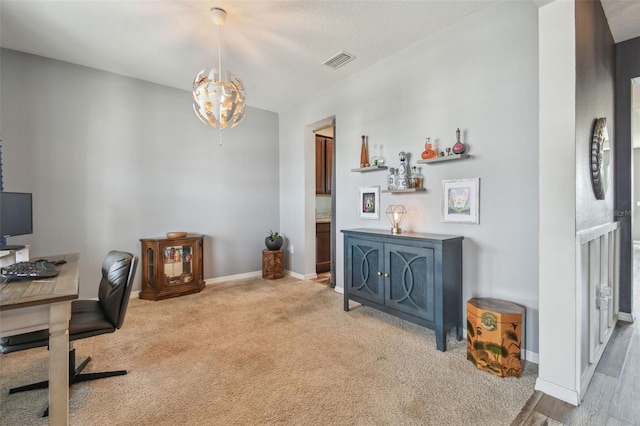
{"type": "Point", "coordinates": [300, 276]}
{"type": "Point", "coordinates": [338, 289]}
{"type": "Point", "coordinates": [233, 277]}
{"type": "Point", "coordinates": [626, 317]}
{"type": "Point", "coordinates": [532, 357]}
{"type": "Point", "coordinates": [208, 281]}
{"type": "Point", "coordinates": [557, 392]}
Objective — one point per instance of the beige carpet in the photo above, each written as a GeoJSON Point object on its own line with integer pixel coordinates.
{"type": "Point", "coordinates": [253, 352]}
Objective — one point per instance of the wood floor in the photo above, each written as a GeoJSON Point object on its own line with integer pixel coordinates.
{"type": "Point", "coordinates": [613, 396]}
{"type": "Point", "coordinates": [323, 278]}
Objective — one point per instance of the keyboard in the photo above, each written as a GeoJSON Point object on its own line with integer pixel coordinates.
{"type": "Point", "coordinates": [28, 271]}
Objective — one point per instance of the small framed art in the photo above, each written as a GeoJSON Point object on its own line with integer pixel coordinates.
{"type": "Point", "coordinates": [461, 200]}
{"type": "Point", "coordinates": [369, 203]}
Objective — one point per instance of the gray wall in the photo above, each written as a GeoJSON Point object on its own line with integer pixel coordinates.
{"type": "Point", "coordinates": [111, 159]}
{"type": "Point", "coordinates": [479, 74]}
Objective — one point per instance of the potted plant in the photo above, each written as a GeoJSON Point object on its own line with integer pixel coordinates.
{"type": "Point", "coordinates": [274, 241]}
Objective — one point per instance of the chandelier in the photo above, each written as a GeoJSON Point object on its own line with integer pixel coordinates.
{"type": "Point", "coordinates": [216, 101]}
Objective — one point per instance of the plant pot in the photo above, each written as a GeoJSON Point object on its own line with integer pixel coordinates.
{"type": "Point", "coordinates": [274, 244]}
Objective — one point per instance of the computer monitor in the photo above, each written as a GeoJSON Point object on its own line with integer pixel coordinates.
{"type": "Point", "coordinates": [16, 216]}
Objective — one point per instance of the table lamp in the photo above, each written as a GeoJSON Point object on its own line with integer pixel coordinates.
{"type": "Point", "coordinates": [396, 214]}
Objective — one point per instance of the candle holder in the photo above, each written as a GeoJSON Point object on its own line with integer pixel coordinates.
{"type": "Point", "coordinates": [396, 214]}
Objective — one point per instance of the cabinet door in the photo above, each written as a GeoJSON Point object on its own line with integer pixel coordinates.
{"type": "Point", "coordinates": [177, 262]}
{"type": "Point", "coordinates": [320, 165]}
{"type": "Point", "coordinates": [411, 280]}
{"type": "Point", "coordinates": [364, 276]}
{"type": "Point", "coordinates": [328, 165]}
{"type": "Point", "coordinates": [323, 247]}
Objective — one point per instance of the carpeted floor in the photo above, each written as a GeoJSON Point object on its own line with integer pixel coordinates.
{"type": "Point", "coordinates": [254, 352]}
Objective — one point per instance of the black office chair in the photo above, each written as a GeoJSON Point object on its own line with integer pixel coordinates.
{"type": "Point", "coordinates": [88, 318]}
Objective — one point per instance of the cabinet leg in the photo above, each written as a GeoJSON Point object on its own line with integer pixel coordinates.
{"type": "Point", "coordinates": [459, 333]}
{"type": "Point", "coordinates": [441, 341]}
{"type": "Point", "coordinates": [346, 303]}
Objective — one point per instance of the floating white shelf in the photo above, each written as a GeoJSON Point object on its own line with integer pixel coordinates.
{"type": "Point", "coordinates": [445, 158]}
{"type": "Point", "coordinates": [369, 169]}
{"type": "Point", "coordinates": [397, 191]}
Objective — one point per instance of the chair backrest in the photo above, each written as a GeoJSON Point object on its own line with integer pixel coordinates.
{"type": "Point", "coordinates": [118, 271]}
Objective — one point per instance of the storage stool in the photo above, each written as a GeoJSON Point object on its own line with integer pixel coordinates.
{"type": "Point", "coordinates": [494, 336]}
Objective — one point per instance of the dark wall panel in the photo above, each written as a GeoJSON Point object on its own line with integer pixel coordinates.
{"type": "Point", "coordinates": [595, 88]}
{"type": "Point", "coordinates": [627, 68]}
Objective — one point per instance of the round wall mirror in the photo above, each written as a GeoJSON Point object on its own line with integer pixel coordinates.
{"type": "Point", "coordinates": [600, 158]}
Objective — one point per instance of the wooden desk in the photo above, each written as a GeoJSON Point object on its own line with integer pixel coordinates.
{"type": "Point", "coordinates": [36, 305]}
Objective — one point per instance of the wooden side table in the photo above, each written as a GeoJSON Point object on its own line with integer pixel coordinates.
{"type": "Point", "coordinates": [494, 336]}
{"type": "Point", "coordinates": [271, 264]}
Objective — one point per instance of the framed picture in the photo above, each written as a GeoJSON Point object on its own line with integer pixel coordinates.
{"type": "Point", "coordinates": [461, 200]}
{"type": "Point", "coordinates": [369, 202]}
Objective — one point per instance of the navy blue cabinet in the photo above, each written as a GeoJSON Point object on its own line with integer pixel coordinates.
{"type": "Point", "coordinates": [414, 276]}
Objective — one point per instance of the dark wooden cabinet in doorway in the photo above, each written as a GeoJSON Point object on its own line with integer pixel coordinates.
{"type": "Point", "coordinates": [324, 161]}
{"type": "Point", "coordinates": [323, 247]}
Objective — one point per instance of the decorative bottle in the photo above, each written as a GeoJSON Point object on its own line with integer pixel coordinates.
{"type": "Point", "coordinates": [364, 155]}
{"type": "Point", "coordinates": [428, 152]}
{"type": "Point", "coordinates": [374, 157]}
{"type": "Point", "coordinates": [419, 179]}
{"type": "Point", "coordinates": [459, 147]}
{"type": "Point", "coordinates": [380, 157]}
{"type": "Point", "coordinates": [391, 179]}
{"type": "Point", "coordinates": [403, 173]}
{"type": "Point", "coordinates": [413, 181]}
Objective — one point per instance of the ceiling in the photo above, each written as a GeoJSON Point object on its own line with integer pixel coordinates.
{"type": "Point", "coordinates": [275, 47]}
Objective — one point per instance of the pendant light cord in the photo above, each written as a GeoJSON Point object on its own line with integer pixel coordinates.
{"type": "Point", "coordinates": [220, 75]}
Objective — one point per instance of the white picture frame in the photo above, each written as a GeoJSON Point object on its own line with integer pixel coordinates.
{"type": "Point", "coordinates": [369, 202]}
{"type": "Point", "coordinates": [461, 200]}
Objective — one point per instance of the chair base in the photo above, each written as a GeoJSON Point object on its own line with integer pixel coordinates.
{"type": "Point", "coordinates": [75, 376]}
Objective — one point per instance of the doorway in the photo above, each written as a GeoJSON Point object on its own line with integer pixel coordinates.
{"type": "Point", "coordinates": [324, 202]}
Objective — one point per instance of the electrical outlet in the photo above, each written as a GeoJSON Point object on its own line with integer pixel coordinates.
{"type": "Point", "coordinates": [291, 249]}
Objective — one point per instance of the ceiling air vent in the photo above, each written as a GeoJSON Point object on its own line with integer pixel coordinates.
{"type": "Point", "coordinates": [339, 60]}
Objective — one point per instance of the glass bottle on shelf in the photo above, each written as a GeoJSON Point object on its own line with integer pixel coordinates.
{"type": "Point", "coordinates": [403, 172]}
{"type": "Point", "coordinates": [391, 179]}
{"type": "Point", "coordinates": [364, 154]}
{"type": "Point", "coordinates": [380, 157]}
{"type": "Point", "coordinates": [459, 147]}
{"type": "Point", "coordinates": [419, 179]}
{"type": "Point", "coordinates": [429, 152]}
{"type": "Point", "coordinates": [413, 180]}
{"type": "Point", "coordinates": [374, 158]}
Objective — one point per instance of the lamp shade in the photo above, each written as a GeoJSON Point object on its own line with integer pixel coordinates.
{"type": "Point", "coordinates": [219, 103]}
{"type": "Point", "coordinates": [216, 101]}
